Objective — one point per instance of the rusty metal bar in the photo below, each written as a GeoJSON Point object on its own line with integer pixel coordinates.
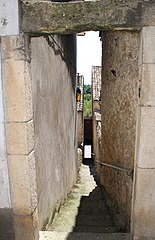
{"type": "Point", "coordinates": [128, 171]}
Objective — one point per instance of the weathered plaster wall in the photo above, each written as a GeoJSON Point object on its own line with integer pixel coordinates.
{"type": "Point", "coordinates": [119, 99]}
{"type": "Point", "coordinates": [4, 180]}
{"type": "Point", "coordinates": [54, 105]}
{"type": "Point", "coordinates": [5, 202]}
{"type": "Point", "coordinates": [9, 18]}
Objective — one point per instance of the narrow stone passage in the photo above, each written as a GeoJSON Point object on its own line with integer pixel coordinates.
{"type": "Point", "coordinates": [85, 214]}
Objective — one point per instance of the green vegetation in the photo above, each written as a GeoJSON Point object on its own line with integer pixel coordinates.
{"type": "Point", "coordinates": [87, 101]}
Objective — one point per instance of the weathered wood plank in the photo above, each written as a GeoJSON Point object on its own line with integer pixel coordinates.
{"type": "Point", "coordinates": [39, 17]}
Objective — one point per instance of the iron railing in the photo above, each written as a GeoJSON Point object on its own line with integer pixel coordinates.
{"type": "Point", "coordinates": [127, 170]}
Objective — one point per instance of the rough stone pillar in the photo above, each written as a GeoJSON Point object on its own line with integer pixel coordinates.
{"type": "Point", "coordinates": [144, 181]}
{"type": "Point", "coordinates": [118, 110]}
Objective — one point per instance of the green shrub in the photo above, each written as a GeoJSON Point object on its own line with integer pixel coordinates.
{"type": "Point", "coordinates": [87, 101]}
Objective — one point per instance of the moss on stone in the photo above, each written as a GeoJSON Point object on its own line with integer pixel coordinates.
{"type": "Point", "coordinates": [73, 17]}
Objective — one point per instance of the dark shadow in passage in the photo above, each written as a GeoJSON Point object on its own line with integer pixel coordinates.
{"type": "Point", "coordinates": [6, 224]}
{"type": "Point", "coordinates": [93, 214]}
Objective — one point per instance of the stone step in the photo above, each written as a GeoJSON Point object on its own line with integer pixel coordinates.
{"type": "Point", "coordinates": [47, 235]}
{"type": "Point", "coordinates": [95, 229]}
{"type": "Point", "coordinates": [87, 229]}
{"type": "Point", "coordinates": [87, 220]}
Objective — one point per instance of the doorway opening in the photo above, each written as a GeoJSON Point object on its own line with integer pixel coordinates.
{"type": "Point", "coordinates": [88, 55]}
{"type": "Point", "coordinates": [91, 122]}
{"type": "Point", "coordinates": [119, 61]}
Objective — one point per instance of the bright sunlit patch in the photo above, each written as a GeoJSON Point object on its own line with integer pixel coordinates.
{"type": "Point", "coordinates": [88, 54]}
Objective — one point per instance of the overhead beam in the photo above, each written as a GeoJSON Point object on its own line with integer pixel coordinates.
{"type": "Point", "coordinates": [40, 17]}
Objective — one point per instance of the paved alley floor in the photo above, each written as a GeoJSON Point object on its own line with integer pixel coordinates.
{"type": "Point", "coordinates": [85, 214]}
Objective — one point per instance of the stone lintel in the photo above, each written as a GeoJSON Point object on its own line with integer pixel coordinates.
{"type": "Point", "coordinates": [41, 17]}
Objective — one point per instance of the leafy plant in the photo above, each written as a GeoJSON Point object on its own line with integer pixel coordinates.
{"type": "Point", "coordinates": [87, 89]}
{"type": "Point", "coordinates": [87, 101]}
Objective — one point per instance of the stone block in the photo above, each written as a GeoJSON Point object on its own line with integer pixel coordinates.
{"type": "Point", "coordinates": [144, 204]}
{"type": "Point", "coordinates": [148, 52]}
{"type": "Point", "coordinates": [20, 184]}
{"type": "Point", "coordinates": [33, 181]}
{"type": "Point", "coordinates": [145, 137]}
{"type": "Point", "coordinates": [17, 90]}
{"type": "Point", "coordinates": [15, 47]}
{"type": "Point", "coordinates": [147, 95]}
{"type": "Point", "coordinates": [142, 238]}
{"type": "Point", "coordinates": [25, 228]}
{"type": "Point", "coordinates": [140, 50]}
{"type": "Point", "coordinates": [20, 137]}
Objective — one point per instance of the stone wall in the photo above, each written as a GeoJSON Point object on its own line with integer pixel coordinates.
{"type": "Point", "coordinates": [54, 105]}
{"type": "Point", "coordinates": [9, 25]}
{"type": "Point", "coordinates": [38, 136]}
{"type": "Point", "coordinates": [143, 217]}
{"type": "Point", "coordinates": [80, 128]}
{"type": "Point", "coordinates": [97, 137]}
{"type": "Point", "coordinates": [19, 136]}
{"type": "Point", "coordinates": [119, 99]}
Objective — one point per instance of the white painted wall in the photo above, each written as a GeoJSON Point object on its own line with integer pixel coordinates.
{"type": "Point", "coordinates": [4, 180]}
{"type": "Point", "coordinates": [9, 19]}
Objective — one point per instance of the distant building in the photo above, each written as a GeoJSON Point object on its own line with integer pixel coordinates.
{"type": "Point", "coordinates": [80, 108]}
{"type": "Point", "coordinates": [96, 111]}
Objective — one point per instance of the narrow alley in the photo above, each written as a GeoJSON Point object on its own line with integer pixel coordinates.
{"type": "Point", "coordinates": [47, 192]}
{"type": "Point", "coordinates": [85, 214]}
